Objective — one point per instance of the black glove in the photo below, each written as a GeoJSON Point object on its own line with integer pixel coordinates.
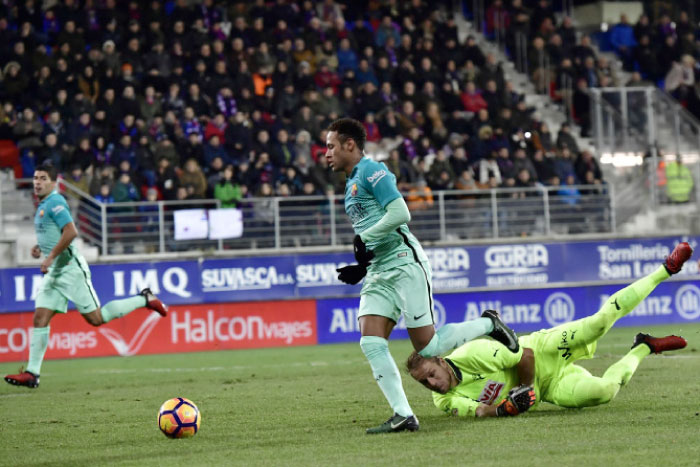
{"type": "Point", "coordinates": [362, 255]}
{"type": "Point", "coordinates": [354, 273]}
{"type": "Point", "coordinates": [519, 400]}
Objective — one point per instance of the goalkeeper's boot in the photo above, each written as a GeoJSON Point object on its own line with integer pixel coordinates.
{"type": "Point", "coordinates": [153, 302]}
{"type": "Point", "coordinates": [25, 378]}
{"type": "Point", "coordinates": [395, 424]}
{"type": "Point", "coordinates": [501, 332]}
{"type": "Point", "coordinates": [659, 344]}
{"type": "Point", "coordinates": [679, 255]}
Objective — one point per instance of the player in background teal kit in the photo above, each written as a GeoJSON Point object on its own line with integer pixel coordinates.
{"type": "Point", "coordinates": [482, 379]}
{"type": "Point", "coordinates": [396, 271]}
{"type": "Point", "coordinates": [66, 277]}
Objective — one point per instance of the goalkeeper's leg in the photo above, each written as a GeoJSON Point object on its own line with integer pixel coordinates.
{"type": "Point", "coordinates": [625, 300]}
{"type": "Point", "coordinates": [618, 305]}
{"type": "Point", "coordinates": [578, 388]}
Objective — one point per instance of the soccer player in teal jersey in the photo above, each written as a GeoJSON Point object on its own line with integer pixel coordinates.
{"type": "Point", "coordinates": [398, 275]}
{"type": "Point", "coordinates": [67, 277]}
{"type": "Point", "coordinates": [482, 379]}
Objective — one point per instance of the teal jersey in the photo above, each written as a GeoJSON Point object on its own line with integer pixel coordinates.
{"type": "Point", "coordinates": [51, 216]}
{"type": "Point", "coordinates": [368, 190]}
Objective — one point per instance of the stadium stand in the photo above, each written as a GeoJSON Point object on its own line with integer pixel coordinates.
{"type": "Point", "coordinates": [224, 104]}
{"type": "Point", "coordinates": [127, 88]}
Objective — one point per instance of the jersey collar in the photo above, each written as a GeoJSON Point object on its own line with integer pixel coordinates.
{"type": "Point", "coordinates": [357, 166]}
{"type": "Point", "coordinates": [54, 192]}
{"type": "Point", "coordinates": [455, 370]}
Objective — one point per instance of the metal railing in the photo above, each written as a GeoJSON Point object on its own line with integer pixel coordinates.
{"type": "Point", "coordinates": [638, 128]}
{"type": "Point", "coordinates": [316, 221]}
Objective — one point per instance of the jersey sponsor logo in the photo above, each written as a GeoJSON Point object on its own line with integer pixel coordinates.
{"type": "Point", "coordinates": [376, 176]}
{"type": "Point", "coordinates": [57, 209]}
{"type": "Point", "coordinates": [688, 301]}
{"type": "Point", "coordinates": [564, 345]}
{"type": "Point", "coordinates": [559, 309]}
{"type": "Point", "coordinates": [136, 342]}
{"type": "Point", "coordinates": [491, 391]}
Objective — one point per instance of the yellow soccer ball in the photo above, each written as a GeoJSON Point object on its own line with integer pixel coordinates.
{"type": "Point", "coordinates": [179, 418]}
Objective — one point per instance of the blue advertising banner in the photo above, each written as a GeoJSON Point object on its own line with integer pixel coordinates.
{"type": "Point", "coordinates": [524, 310]}
{"type": "Point", "coordinates": [455, 269]}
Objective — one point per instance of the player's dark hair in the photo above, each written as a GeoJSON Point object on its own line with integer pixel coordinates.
{"type": "Point", "coordinates": [49, 168]}
{"type": "Point", "coordinates": [349, 128]}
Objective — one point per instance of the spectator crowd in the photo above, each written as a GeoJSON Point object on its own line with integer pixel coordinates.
{"type": "Point", "coordinates": [189, 100]}
{"type": "Point", "coordinates": [661, 49]}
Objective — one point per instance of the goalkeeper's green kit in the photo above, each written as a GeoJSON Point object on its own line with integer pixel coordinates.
{"type": "Point", "coordinates": [487, 370]}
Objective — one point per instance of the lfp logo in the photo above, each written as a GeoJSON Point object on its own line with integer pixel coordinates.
{"type": "Point", "coordinates": [559, 309]}
{"type": "Point", "coordinates": [688, 302]}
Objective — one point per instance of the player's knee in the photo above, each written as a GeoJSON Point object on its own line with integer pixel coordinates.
{"type": "Point", "coordinates": [598, 324]}
{"type": "Point", "coordinates": [40, 322]}
{"type": "Point", "coordinates": [94, 322]}
{"type": "Point", "coordinates": [41, 319]}
{"type": "Point", "coordinates": [603, 392]}
{"type": "Point", "coordinates": [94, 318]}
{"type": "Point", "coordinates": [373, 345]}
{"type": "Point", "coordinates": [629, 299]}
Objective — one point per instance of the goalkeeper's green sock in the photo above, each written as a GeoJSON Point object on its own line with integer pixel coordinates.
{"type": "Point", "coordinates": [37, 349]}
{"type": "Point", "coordinates": [118, 308]}
{"type": "Point", "coordinates": [621, 371]}
{"type": "Point", "coordinates": [452, 335]}
{"type": "Point", "coordinates": [386, 373]}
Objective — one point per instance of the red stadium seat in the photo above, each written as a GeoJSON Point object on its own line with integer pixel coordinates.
{"type": "Point", "coordinates": [9, 157]}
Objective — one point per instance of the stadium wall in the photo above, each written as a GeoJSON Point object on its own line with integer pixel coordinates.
{"type": "Point", "coordinates": [297, 300]}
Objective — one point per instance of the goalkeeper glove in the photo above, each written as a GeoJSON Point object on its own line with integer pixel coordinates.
{"type": "Point", "coordinates": [519, 400]}
{"type": "Point", "coordinates": [354, 273]}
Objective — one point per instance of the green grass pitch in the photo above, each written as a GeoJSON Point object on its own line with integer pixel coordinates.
{"type": "Point", "coordinates": [310, 406]}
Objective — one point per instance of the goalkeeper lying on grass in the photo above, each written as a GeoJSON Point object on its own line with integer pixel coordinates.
{"type": "Point", "coordinates": [482, 379]}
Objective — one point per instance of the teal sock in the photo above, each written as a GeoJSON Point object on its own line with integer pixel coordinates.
{"type": "Point", "coordinates": [386, 373]}
{"type": "Point", "coordinates": [37, 349]}
{"type": "Point", "coordinates": [452, 335]}
{"type": "Point", "coordinates": [119, 308]}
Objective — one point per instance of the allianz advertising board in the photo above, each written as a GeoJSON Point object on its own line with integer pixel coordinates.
{"type": "Point", "coordinates": [525, 310]}
{"type": "Point", "coordinates": [455, 269]}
